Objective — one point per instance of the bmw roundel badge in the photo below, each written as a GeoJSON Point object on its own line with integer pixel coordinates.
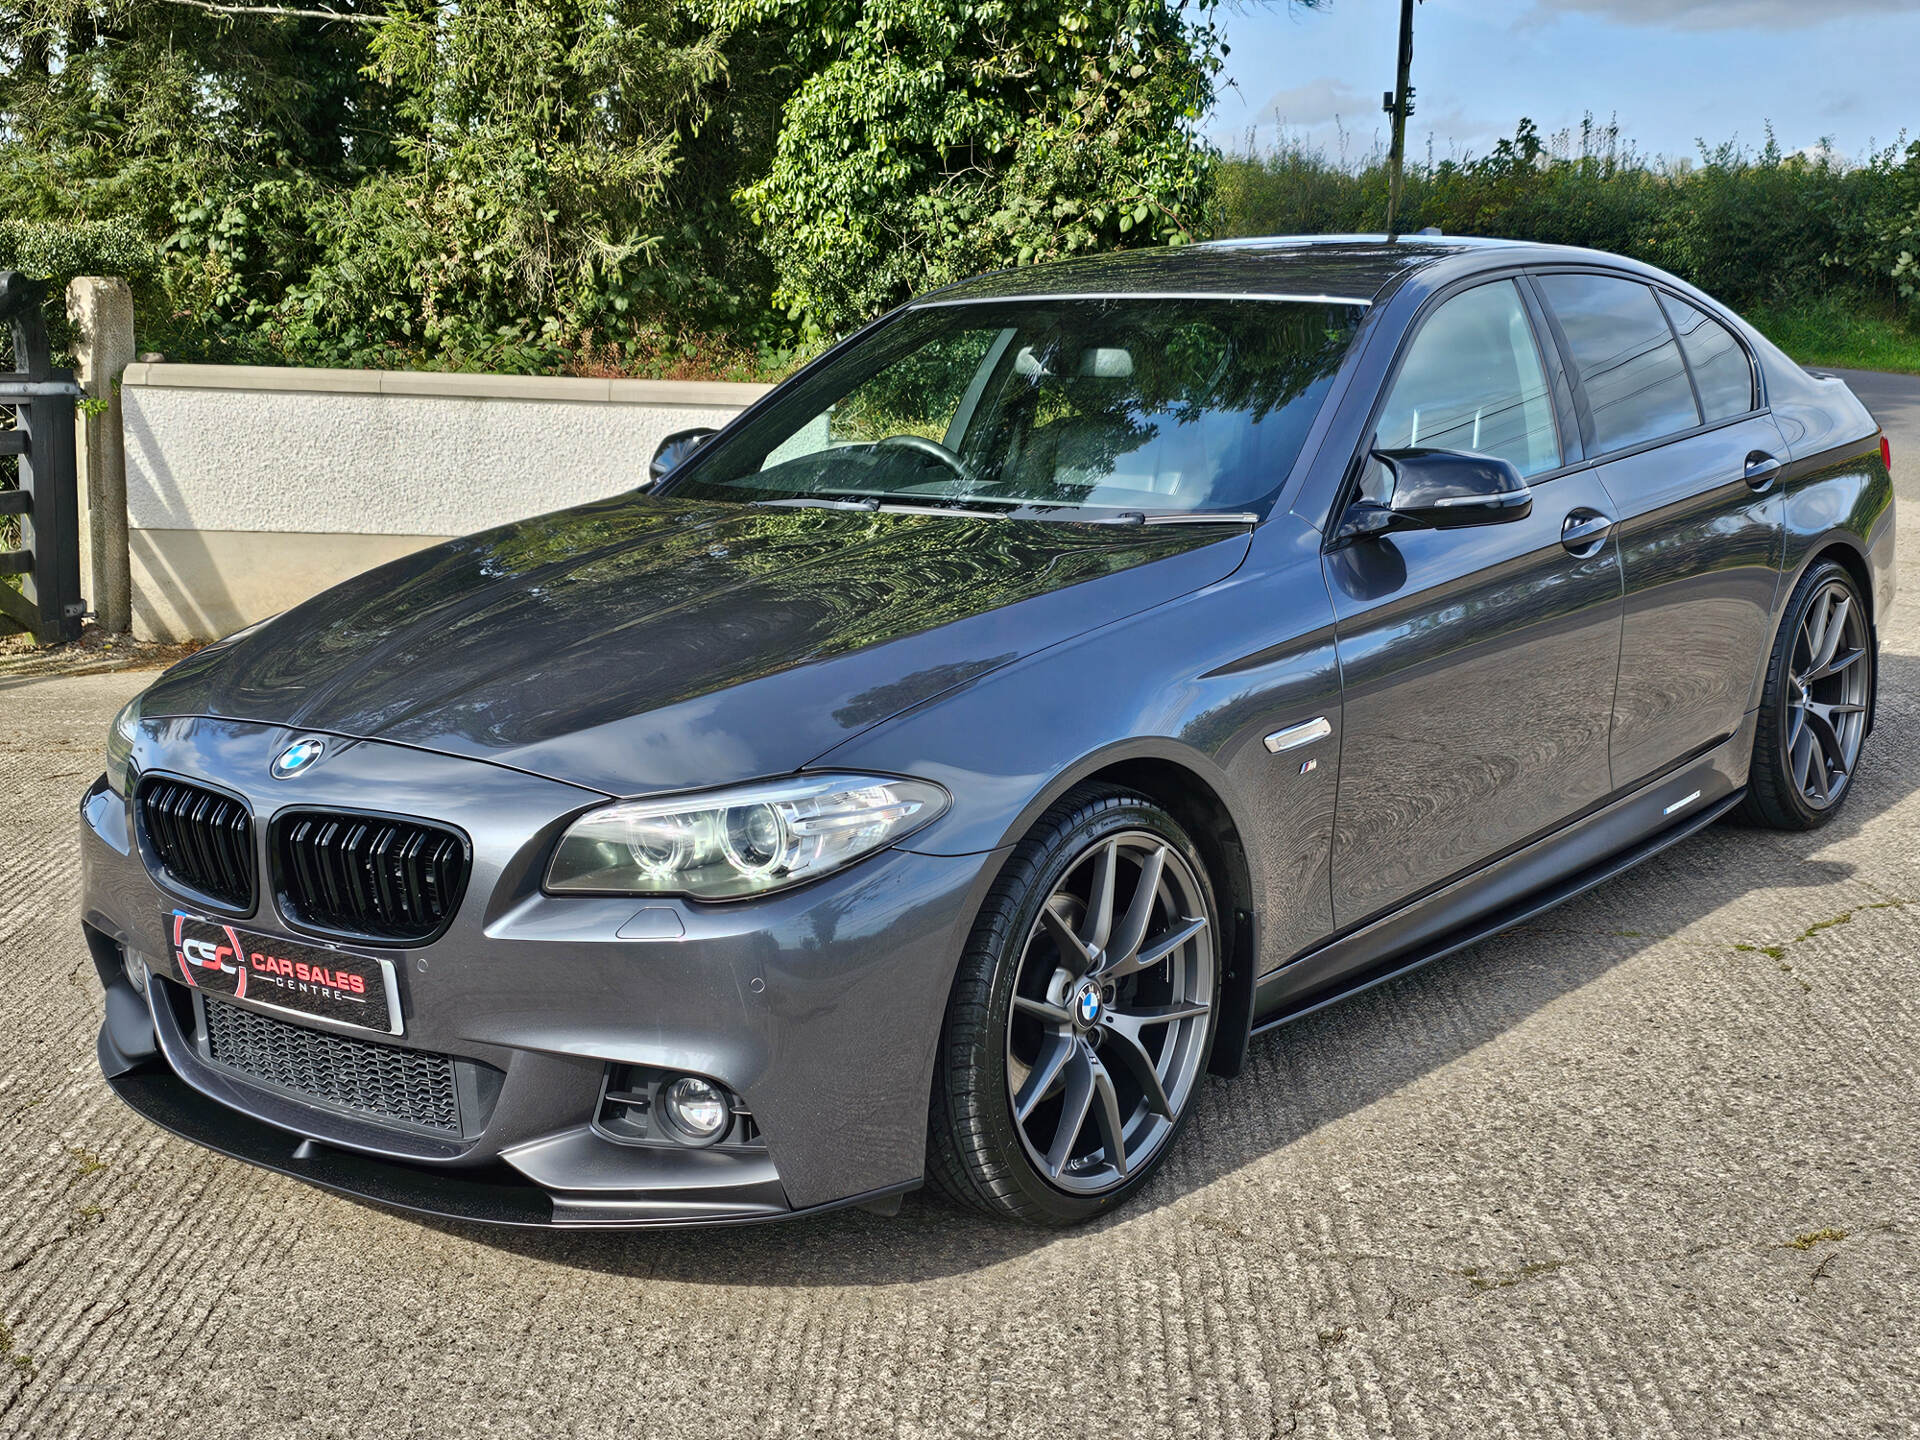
{"type": "Point", "coordinates": [298, 757]}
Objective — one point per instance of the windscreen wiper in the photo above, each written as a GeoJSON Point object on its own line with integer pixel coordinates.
{"type": "Point", "coordinates": [1090, 515]}
{"type": "Point", "coordinates": [909, 504]}
{"type": "Point", "coordinates": [1198, 517]}
{"type": "Point", "coordinates": [824, 502]}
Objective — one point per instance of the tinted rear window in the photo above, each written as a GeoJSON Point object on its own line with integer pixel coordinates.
{"type": "Point", "coordinates": [1626, 357]}
{"type": "Point", "coordinates": [1721, 369]}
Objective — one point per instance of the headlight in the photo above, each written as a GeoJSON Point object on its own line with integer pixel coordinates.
{"type": "Point", "coordinates": [749, 841]}
{"type": "Point", "coordinates": [120, 738]}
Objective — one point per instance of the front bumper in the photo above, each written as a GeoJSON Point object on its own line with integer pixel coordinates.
{"type": "Point", "coordinates": [820, 1009]}
{"type": "Point", "coordinates": [492, 1197]}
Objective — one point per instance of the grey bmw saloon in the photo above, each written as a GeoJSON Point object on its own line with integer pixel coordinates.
{"type": "Point", "coordinates": [939, 772]}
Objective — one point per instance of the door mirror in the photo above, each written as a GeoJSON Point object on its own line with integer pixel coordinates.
{"type": "Point", "coordinates": [676, 448]}
{"type": "Point", "coordinates": [1440, 490]}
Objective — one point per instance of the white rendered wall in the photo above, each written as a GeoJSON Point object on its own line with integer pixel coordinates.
{"type": "Point", "coordinates": [250, 489]}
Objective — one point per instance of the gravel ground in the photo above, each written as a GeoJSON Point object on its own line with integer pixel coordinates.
{"type": "Point", "coordinates": [1647, 1167]}
{"type": "Point", "coordinates": [94, 653]}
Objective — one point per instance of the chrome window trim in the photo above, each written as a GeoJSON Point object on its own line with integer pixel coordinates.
{"type": "Point", "coordinates": [1263, 296]}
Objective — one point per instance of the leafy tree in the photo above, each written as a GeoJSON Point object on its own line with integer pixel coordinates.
{"type": "Point", "coordinates": [215, 137]}
{"type": "Point", "coordinates": [926, 140]}
{"type": "Point", "coordinates": [530, 194]}
{"type": "Point", "coordinates": [592, 183]}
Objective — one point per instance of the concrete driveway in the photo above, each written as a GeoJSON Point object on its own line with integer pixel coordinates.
{"type": "Point", "coordinates": [1647, 1167]}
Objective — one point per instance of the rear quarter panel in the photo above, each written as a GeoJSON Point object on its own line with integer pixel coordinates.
{"type": "Point", "coordinates": [1838, 489]}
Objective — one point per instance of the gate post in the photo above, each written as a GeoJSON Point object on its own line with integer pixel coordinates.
{"type": "Point", "coordinates": [102, 313]}
{"type": "Point", "coordinates": [47, 501]}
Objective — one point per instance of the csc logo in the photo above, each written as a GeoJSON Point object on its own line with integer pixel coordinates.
{"type": "Point", "coordinates": [209, 956]}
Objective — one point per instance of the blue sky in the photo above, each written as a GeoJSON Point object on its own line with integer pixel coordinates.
{"type": "Point", "coordinates": [1671, 71]}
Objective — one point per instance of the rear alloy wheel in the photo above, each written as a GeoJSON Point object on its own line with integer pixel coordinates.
{"type": "Point", "coordinates": [1814, 712]}
{"type": "Point", "coordinates": [1082, 1015]}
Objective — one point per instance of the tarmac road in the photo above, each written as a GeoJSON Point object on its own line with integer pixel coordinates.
{"type": "Point", "coordinates": [1646, 1167]}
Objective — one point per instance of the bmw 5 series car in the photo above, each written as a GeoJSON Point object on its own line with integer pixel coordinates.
{"type": "Point", "coordinates": [939, 772]}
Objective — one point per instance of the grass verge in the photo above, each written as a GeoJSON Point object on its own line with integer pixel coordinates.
{"type": "Point", "coordinates": [1833, 330]}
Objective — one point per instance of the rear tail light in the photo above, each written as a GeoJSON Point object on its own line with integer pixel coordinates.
{"type": "Point", "coordinates": [1886, 452]}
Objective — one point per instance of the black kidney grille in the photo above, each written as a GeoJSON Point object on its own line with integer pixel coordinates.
{"type": "Point", "coordinates": [368, 875]}
{"type": "Point", "coordinates": [202, 839]}
{"type": "Point", "coordinates": [415, 1087]}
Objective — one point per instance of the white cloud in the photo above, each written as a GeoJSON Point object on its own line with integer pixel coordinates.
{"type": "Point", "coordinates": [1316, 101]}
{"type": "Point", "coordinates": [1343, 121]}
{"type": "Point", "coordinates": [1724, 14]}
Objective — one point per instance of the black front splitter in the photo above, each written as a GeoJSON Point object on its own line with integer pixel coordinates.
{"type": "Point", "coordinates": [485, 1197]}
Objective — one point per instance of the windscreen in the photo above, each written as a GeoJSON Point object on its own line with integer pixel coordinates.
{"type": "Point", "coordinates": [1043, 407]}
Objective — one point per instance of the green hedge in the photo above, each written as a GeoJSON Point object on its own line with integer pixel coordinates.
{"type": "Point", "coordinates": [1758, 228]}
{"type": "Point", "coordinates": [56, 251]}
{"type": "Point", "coordinates": [285, 266]}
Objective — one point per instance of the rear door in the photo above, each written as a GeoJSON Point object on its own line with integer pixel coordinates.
{"type": "Point", "coordinates": [1667, 399]}
{"type": "Point", "coordinates": [1477, 664]}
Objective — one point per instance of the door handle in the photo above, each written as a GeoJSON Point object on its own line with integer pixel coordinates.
{"type": "Point", "coordinates": [1583, 532]}
{"type": "Point", "coordinates": [1762, 470]}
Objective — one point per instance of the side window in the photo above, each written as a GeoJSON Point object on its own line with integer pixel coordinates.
{"type": "Point", "coordinates": [918, 395]}
{"type": "Point", "coordinates": [1721, 370]}
{"type": "Point", "coordinates": [1626, 358]}
{"type": "Point", "coordinates": [1472, 380]}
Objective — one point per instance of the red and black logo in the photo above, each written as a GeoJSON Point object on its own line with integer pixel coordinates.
{"type": "Point", "coordinates": [225, 961]}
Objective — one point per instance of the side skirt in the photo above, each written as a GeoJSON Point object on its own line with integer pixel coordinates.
{"type": "Point", "coordinates": [1522, 886]}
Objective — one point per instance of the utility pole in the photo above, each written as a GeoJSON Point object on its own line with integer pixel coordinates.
{"type": "Point", "coordinates": [1399, 104]}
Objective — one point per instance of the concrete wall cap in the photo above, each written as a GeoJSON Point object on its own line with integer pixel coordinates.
{"type": "Point", "coordinates": [441, 384]}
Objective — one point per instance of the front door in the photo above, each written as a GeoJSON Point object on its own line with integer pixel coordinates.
{"type": "Point", "coordinates": [1477, 664]}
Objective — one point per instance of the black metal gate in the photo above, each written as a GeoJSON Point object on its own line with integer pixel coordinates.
{"type": "Point", "coordinates": [44, 504]}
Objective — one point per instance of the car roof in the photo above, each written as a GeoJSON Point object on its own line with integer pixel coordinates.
{"type": "Point", "coordinates": [1360, 269]}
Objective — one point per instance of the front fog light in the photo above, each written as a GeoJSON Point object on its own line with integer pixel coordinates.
{"type": "Point", "coordinates": [698, 1110]}
{"type": "Point", "coordinates": [643, 1106]}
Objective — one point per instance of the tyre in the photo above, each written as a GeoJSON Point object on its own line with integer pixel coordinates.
{"type": "Point", "coordinates": [1081, 1017]}
{"type": "Point", "coordinates": [1813, 711]}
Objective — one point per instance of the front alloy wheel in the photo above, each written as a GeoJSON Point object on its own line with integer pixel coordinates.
{"type": "Point", "coordinates": [1082, 1015]}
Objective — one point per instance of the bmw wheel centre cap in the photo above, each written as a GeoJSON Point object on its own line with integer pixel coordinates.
{"type": "Point", "coordinates": [298, 757]}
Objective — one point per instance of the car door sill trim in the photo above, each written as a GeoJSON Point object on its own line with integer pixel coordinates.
{"type": "Point", "coordinates": [1531, 904]}
{"type": "Point", "coordinates": [1622, 796]}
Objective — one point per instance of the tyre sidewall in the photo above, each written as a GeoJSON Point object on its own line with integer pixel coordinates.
{"type": "Point", "coordinates": [1785, 792]}
{"type": "Point", "coordinates": [1058, 850]}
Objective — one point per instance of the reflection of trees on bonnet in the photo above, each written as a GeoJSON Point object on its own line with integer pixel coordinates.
{"type": "Point", "coordinates": [708, 602]}
{"type": "Point", "coordinates": [592, 614]}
